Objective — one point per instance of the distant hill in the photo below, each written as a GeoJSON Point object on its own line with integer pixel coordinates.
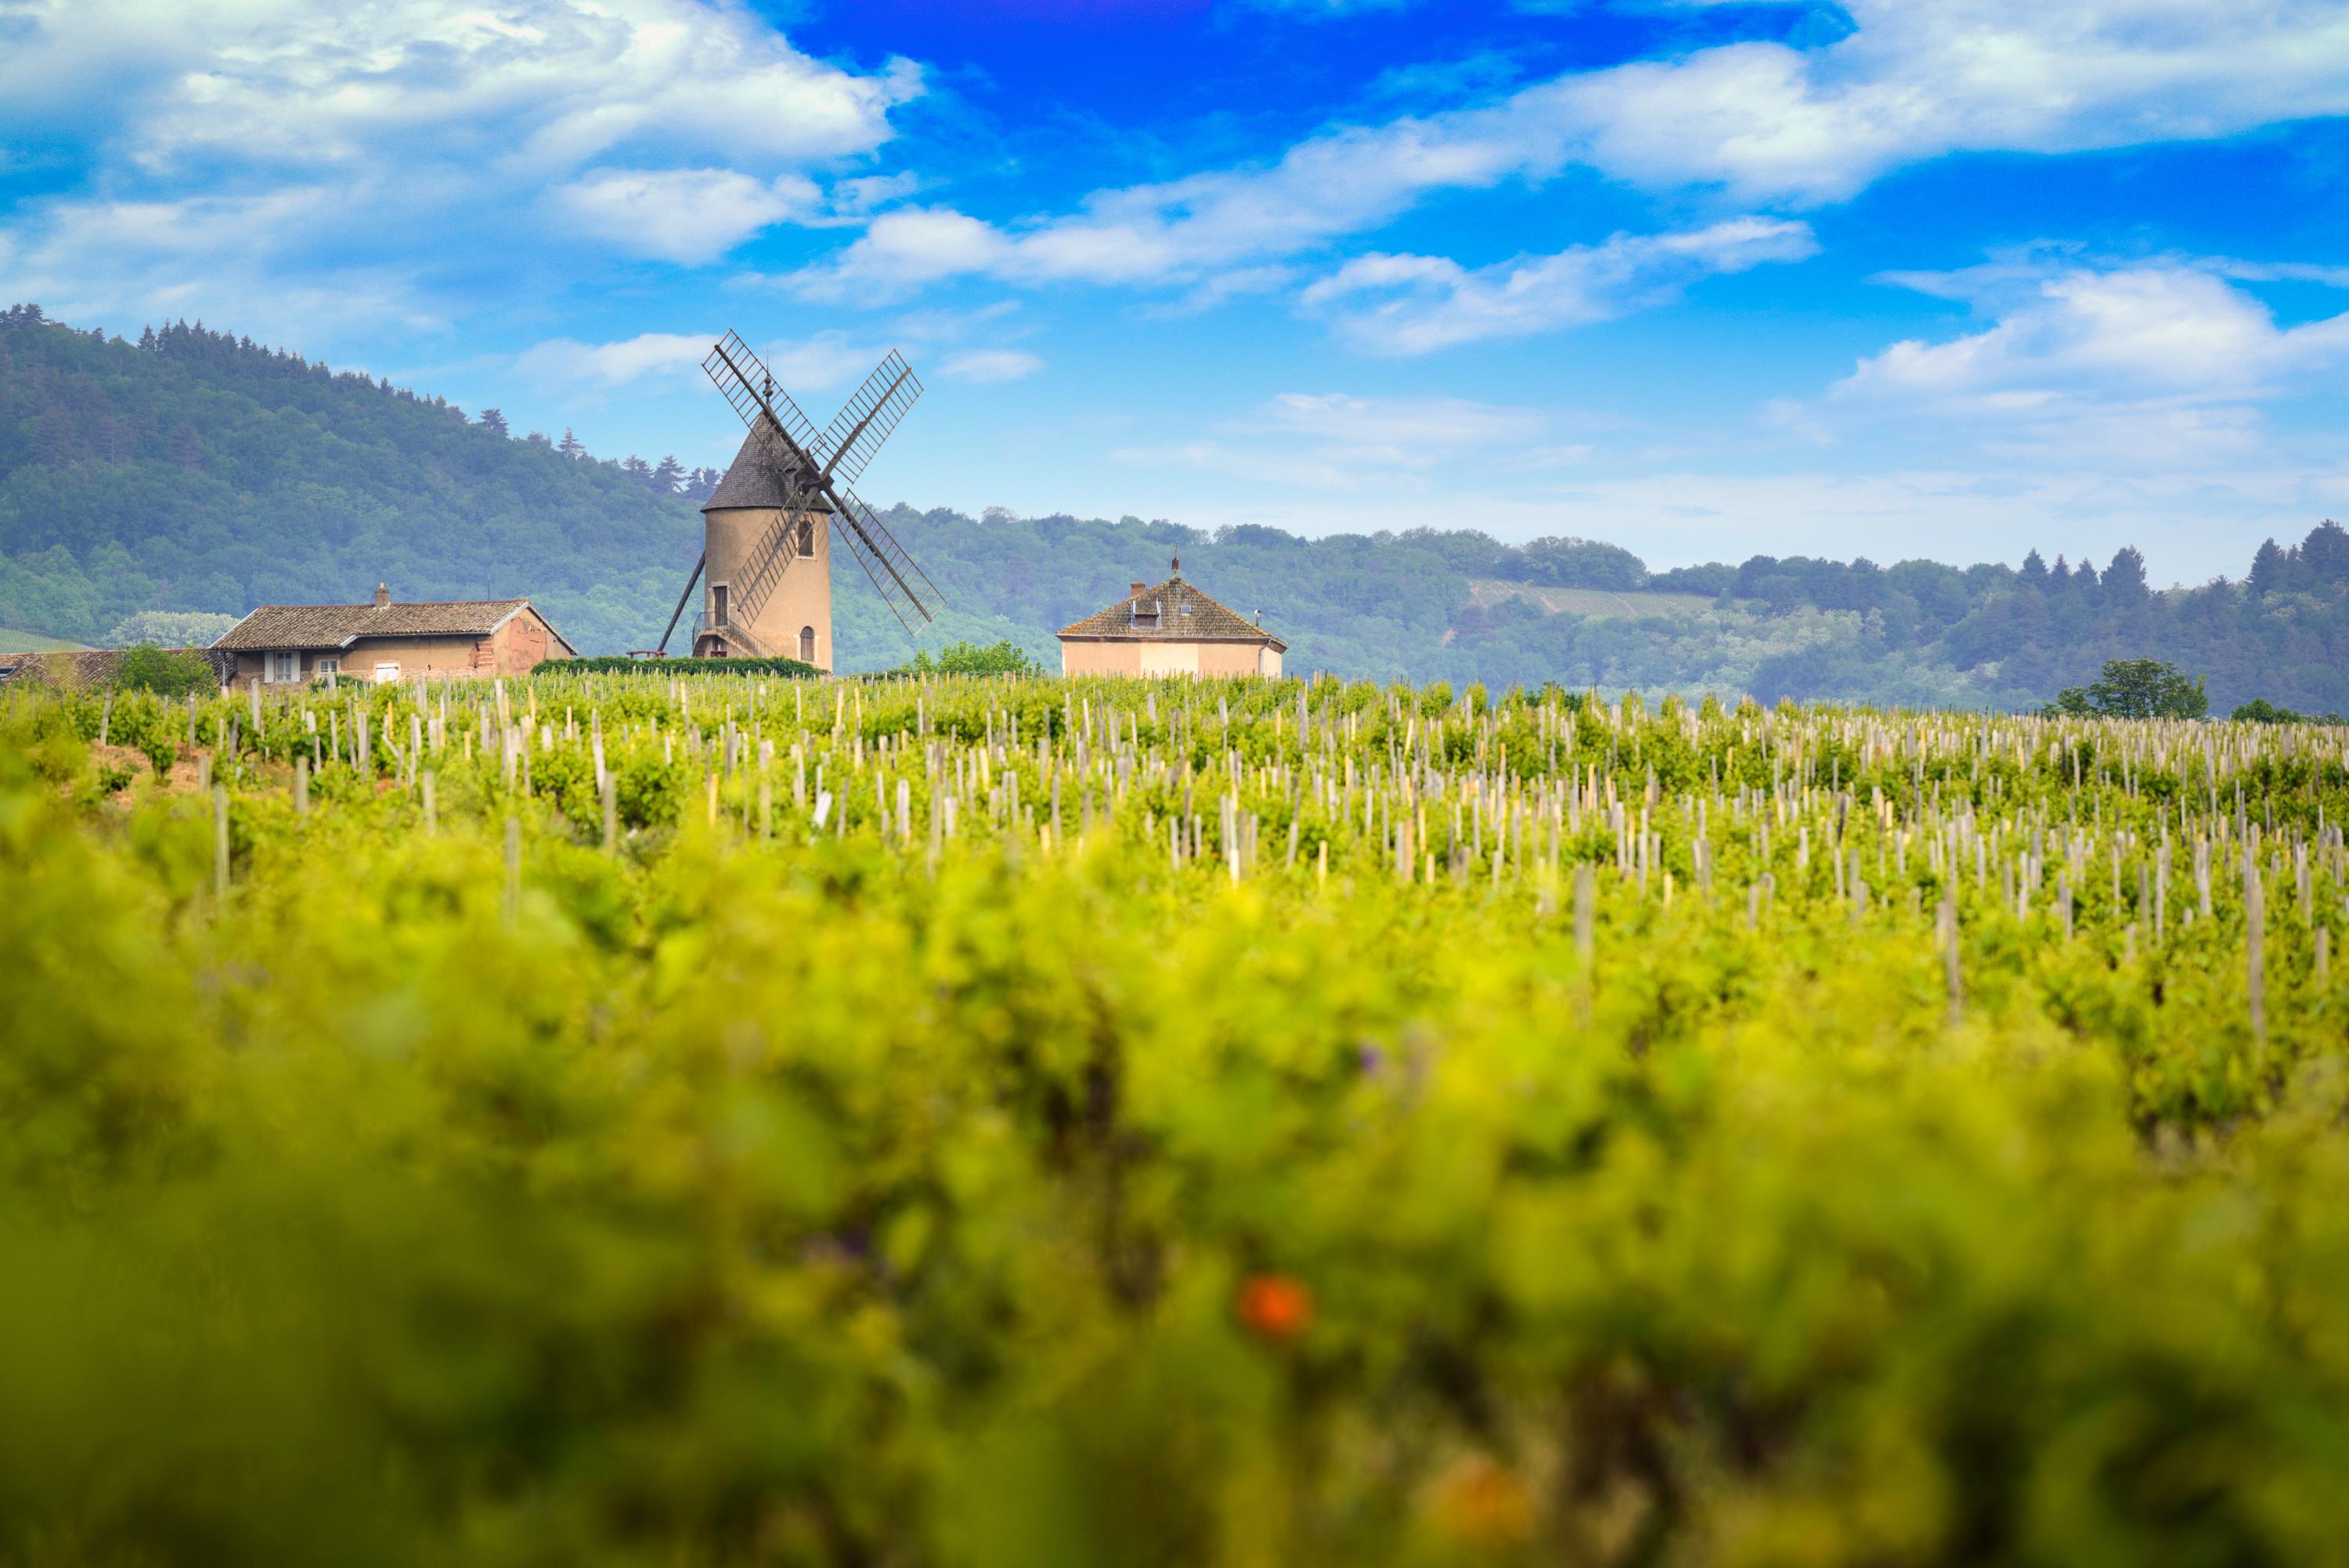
{"type": "Point", "coordinates": [1458, 606]}
{"type": "Point", "coordinates": [193, 471]}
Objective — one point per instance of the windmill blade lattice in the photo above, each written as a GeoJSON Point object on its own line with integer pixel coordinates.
{"type": "Point", "coordinates": [743, 379]}
{"type": "Point", "coordinates": [808, 462]}
{"type": "Point", "coordinates": [901, 584]}
{"type": "Point", "coordinates": [865, 420]}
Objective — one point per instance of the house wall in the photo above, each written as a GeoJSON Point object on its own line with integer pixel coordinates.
{"type": "Point", "coordinates": [1101, 658]}
{"type": "Point", "coordinates": [1166, 657]}
{"type": "Point", "coordinates": [437, 659]}
{"type": "Point", "coordinates": [738, 538]}
{"type": "Point", "coordinates": [520, 645]}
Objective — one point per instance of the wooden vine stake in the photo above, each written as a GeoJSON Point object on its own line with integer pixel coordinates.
{"type": "Point", "coordinates": [2255, 945]}
{"type": "Point", "coordinates": [220, 839]}
{"type": "Point", "coordinates": [1952, 973]}
{"type": "Point", "coordinates": [514, 869]}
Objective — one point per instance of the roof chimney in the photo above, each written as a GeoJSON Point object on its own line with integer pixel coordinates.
{"type": "Point", "coordinates": [1133, 590]}
{"type": "Point", "coordinates": [382, 595]}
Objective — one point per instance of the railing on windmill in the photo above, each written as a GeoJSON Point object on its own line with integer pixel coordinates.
{"type": "Point", "coordinates": [732, 633]}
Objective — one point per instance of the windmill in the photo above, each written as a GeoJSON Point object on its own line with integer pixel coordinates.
{"type": "Point", "coordinates": [768, 529]}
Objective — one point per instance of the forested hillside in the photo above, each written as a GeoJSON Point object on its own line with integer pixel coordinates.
{"type": "Point", "coordinates": [1392, 605]}
{"type": "Point", "coordinates": [193, 471]}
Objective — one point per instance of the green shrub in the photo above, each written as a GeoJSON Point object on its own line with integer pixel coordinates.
{"type": "Point", "coordinates": [167, 671]}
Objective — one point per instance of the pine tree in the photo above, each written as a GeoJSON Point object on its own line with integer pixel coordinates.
{"type": "Point", "coordinates": [2269, 567]}
{"type": "Point", "coordinates": [2060, 577]}
{"type": "Point", "coordinates": [2324, 553]}
{"type": "Point", "coordinates": [665, 474]}
{"type": "Point", "coordinates": [2125, 578]}
{"type": "Point", "coordinates": [494, 421]}
{"type": "Point", "coordinates": [2084, 575]}
{"type": "Point", "coordinates": [2035, 571]}
{"type": "Point", "coordinates": [570, 445]}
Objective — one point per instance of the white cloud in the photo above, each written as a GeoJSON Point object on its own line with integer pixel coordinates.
{"type": "Point", "coordinates": [800, 365]}
{"type": "Point", "coordinates": [1425, 303]}
{"type": "Point", "coordinates": [1766, 122]}
{"type": "Point", "coordinates": [1915, 80]}
{"type": "Point", "coordinates": [2168, 330]}
{"type": "Point", "coordinates": [544, 83]}
{"type": "Point", "coordinates": [686, 216]}
{"type": "Point", "coordinates": [2146, 368]}
{"type": "Point", "coordinates": [566, 362]}
{"type": "Point", "coordinates": [986, 365]}
{"type": "Point", "coordinates": [391, 144]}
{"type": "Point", "coordinates": [263, 262]}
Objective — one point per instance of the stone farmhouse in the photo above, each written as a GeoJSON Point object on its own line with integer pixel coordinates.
{"type": "Point", "coordinates": [387, 642]}
{"type": "Point", "coordinates": [1171, 629]}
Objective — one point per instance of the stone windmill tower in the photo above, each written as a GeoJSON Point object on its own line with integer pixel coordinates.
{"type": "Point", "coordinates": [769, 530]}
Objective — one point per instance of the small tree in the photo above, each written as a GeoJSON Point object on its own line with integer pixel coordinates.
{"type": "Point", "coordinates": [570, 445]}
{"type": "Point", "coordinates": [1003, 658]}
{"type": "Point", "coordinates": [2135, 688]}
{"type": "Point", "coordinates": [181, 671]}
{"type": "Point", "coordinates": [494, 421]}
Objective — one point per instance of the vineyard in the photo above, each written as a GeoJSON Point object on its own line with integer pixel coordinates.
{"type": "Point", "coordinates": [625, 1118]}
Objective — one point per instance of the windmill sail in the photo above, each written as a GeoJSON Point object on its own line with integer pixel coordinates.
{"type": "Point", "coordinates": [743, 379]}
{"type": "Point", "coordinates": [791, 444]}
{"type": "Point", "coordinates": [903, 587]}
{"type": "Point", "coordinates": [865, 420]}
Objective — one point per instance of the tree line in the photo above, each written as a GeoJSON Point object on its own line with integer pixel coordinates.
{"type": "Point", "coordinates": [194, 470]}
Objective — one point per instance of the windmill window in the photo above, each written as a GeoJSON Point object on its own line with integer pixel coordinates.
{"type": "Point", "coordinates": [807, 534]}
{"type": "Point", "coordinates": [717, 603]}
{"type": "Point", "coordinates": [807, 644]}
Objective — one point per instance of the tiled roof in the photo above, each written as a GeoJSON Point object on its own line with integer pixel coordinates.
{"type": "Point", "coordinates": [92, 667]}
{"type": "Point", "coordinates": [755, 478]}
{"type": "Point", "coordinates": [337, 625]}
{"type": "Point", "coordinates": [1183, 615]}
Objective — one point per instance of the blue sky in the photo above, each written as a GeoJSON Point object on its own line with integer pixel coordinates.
{"type": "Point", "coordinates": [1945, 278]}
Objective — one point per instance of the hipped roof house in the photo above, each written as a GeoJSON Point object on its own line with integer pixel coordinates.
{"type": "Point", "coordinates": [384, 641]}
{"type": "Point", "coordinates": [1172, 628]}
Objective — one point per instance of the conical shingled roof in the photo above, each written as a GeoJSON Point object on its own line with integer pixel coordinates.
{"type": "Point", "coordinates": [1182, 614]}
{"type": "Point", "coordinates": [755, 479]}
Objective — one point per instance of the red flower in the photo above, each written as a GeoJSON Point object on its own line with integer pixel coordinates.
{"type": "Point", "coordinates": [1276, 1306]}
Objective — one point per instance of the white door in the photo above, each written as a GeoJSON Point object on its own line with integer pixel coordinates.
{"type": "Point", "coordinates": [384, 673]}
